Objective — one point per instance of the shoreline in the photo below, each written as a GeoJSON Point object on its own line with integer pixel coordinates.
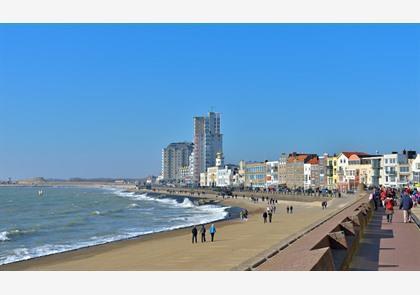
{"type": "Point", "coordinates": [158, 238]}
{"type": "Point", "coordinates": [232, 213]}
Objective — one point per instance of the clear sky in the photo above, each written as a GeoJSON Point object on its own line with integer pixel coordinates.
{"type": "Point", "coordinates": [103, 100]}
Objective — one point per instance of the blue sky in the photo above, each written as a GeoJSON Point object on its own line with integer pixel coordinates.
{"type": "Point", "coordinates": [103, 100]}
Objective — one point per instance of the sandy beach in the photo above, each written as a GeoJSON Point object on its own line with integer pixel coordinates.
{"type": "Point", "coordinates": [236, 242]}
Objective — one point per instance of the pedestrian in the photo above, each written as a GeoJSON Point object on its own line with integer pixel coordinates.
{"type": "Point", "coordinates": [270, 216]}
{"type": "Point", "coordinates": [194, 234]}
{"type": "Point", "coordinates": [291, 209]}
{"type": "Point", "coordinates": [212, 232]}
{"type": "Point", "coordinates": [375, 200]}
{"type": "Point", "coordinates": [406, 205]}
{"type": "Point", "coordinates": [389, 208]}
{"type": "Point", "coordinates": [265, 215]}
{"type": "Point", "coordinates": [203, 234]}
{"type": "Point", "coordinates": [288, 209]}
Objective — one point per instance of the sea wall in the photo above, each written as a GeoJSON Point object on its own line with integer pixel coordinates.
{"type": "Point", "coordinates": [328, 245]}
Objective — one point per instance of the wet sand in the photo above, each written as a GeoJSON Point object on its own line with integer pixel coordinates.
{"type": "Point", "coordinates": [236, 242]}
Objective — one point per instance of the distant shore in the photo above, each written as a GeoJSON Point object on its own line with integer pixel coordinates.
{"type": "Point", "coordinates": [236, 242]}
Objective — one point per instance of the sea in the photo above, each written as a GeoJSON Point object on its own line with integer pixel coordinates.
{"type": "Point", "coordinates": [69, 218]}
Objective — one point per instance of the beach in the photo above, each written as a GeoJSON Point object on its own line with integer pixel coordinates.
{"type": "Point", "coordinates": [236, 242]}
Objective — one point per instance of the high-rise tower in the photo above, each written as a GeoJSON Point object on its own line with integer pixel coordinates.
{"type": "Point", "coordinates": [208, 141]}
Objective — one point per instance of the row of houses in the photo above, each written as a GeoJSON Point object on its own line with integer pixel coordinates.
{"type": "Point", "coordinates": [344, 171]}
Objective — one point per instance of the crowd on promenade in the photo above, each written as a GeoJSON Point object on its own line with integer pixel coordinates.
{"type": "Point", "coordinates": [389, 198]}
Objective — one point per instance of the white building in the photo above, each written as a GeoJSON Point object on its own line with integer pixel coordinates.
{"type": "Point", "coordinates": [220, 175]}
{"type": "Point", "coordinates": [272, 174]}
{"type": "Point", "coordinates": [307, 176]}
{"type": "Point", "coordinates": [396, 170]}
{"type": "Point", "coordinates": [415, 171]}
{"type": "Point", "coordinates": [225, 177]}
{"type": "Point", "coordinates": [311, 172]}
{"type": "Point", "coordinates": [203, 179]}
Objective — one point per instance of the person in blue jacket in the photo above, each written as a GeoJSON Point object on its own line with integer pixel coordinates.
{"type": "Point", "coordinates": [212, 232]}
{"type": "Point", "coordinates": [406, 205]}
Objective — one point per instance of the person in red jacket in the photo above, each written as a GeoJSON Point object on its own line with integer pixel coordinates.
{"type": "Point", "coordinates": [383, 197]}
{"type": "Point", "coordinates": [389, 209]}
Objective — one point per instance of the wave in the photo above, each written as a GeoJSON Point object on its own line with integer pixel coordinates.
{"type": "Point", "coordinates": [186, 203]}
{"type": "Point", "coordinates": [4, 236]}
{"type": "Point", "coordinates": [11, 234]}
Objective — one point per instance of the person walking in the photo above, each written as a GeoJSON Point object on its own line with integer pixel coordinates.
{"type": "Point", "coordinates": [291, 209]}
{"type": "Point", "coordinates": [375, 200]}
{"type": "Point", "coordinates": [270, 216]}
{"type": "Point", "coordinates": [212, 232]}
{"type": "Point", "coordinates": [288, 209]}
{"type": "Point", "coordinates": [406, 205]}
{"type": "Point", "coordinates": [265, 215]}
{"type": "Point", "coordinates": [389, 209]}
{"type": "Point", "coordinates": [194, 234]}
{"type": "Point", "coordinates": [246, 215]}
{"type": "Point", "coordinates": [203, 234]}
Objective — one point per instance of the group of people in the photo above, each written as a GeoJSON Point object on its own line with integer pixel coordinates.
{"type": "Point", "coordinates": [388, 199]}
{"type": "Point", "coordinates": [271, 210]}
{"type": "Point", "coordinates": [203, 232]}
{"type": "Point", "coordinates": [268, 214]}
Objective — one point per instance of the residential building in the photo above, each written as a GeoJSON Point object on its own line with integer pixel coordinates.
{"type": "Point", "coordinates": [415, 171]}
{"type": "Point", "coordinates": [397, 169]}
{"type": "Point", "coordinates": [272, 174]}
{"type": "Point", "coordinates": [212, 176]}
{"type": "Point", "coordinates": [226, 176]}
{"type": "Point", "coordinates": [323, 163]}
{"type": "Point", "coordinates": [185, 175]}
{"type": "Point", "coordinates": [255, 174]}
{"type": "Point", "coordinates": [220, 175]}
{"type": "Point", "coordinates": [203, 179]}
{"type": "Point", "coordinates": [175, 157]}
{"type": "Point", "coordinates": [392, 167]}
{"type": "Point", "coordinates": [332, 178]}
{"type": "Point", "coordinates": [348, 175]}
{"type": "Point", "coordinates": [370, 170]}
{"type": "Point", "coordinates": [282, 169]}
{"type": "Point", "coordinates": [311, 173]}
{"type": "Point", "coordinates": [208, 141]}
{"type": "Point", "coordinates": [295, 169]}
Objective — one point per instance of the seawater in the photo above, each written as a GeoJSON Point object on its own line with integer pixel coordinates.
{"type": "Point", "coordinates": [69, 218]}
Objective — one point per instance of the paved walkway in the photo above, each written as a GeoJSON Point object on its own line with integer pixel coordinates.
{"type": "Point", "coordinates": [388, 247]}
{"type": "Point", "coordinates": [299, 256]}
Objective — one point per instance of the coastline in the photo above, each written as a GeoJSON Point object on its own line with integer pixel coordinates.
{"type": "Point", "coordinates": [231, 213]}
{"type": "Point", "coordinates": [105, 256]}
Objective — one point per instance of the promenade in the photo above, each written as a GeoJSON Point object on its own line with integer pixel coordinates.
{"type": "Point", "coordinates": [388, 247]}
